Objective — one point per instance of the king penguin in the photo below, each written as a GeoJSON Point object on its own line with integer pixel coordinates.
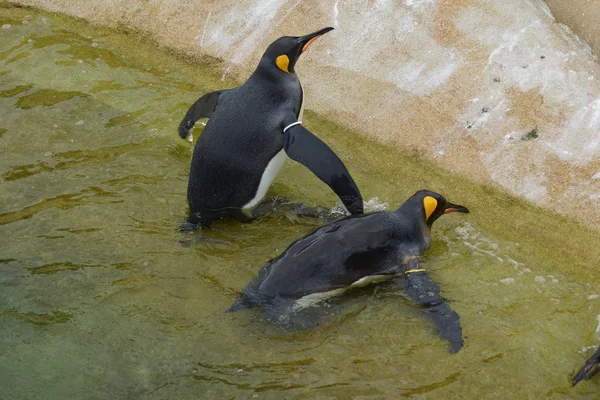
{"type": "Point", "coordinates": [250, 132]}
{"type": "Point", "coordinates": [356, 251]}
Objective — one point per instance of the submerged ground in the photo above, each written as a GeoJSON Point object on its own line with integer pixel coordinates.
{"type": "Point", "coordinates": [100, 299]}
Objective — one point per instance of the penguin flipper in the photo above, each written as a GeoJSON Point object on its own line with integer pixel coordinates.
{"type": "Point", "coordinates": [589, 369]}
{"type": "Point", "coordinates": [422, 290]}
{"type": "Point", "coordinates": [304, 147]}
{"type": "Point", "coordinates": [202, 108]}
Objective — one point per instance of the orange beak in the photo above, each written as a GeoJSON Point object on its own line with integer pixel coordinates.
{"type": "Point", "coordinates": [309, 39]}
{"type": "Point", "coordinates": [450, 208]}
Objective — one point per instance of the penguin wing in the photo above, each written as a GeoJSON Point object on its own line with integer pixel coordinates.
{"type": "Point", "coordinates": [304, 147]}
{"type": "Point", "coordinates": [202, 108]}
{"type": "Point", "coordinates": [423, 290]}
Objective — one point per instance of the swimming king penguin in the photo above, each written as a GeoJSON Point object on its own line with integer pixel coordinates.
{"type": "Point", "coordinates": [251, 130]}
{"type": "Point", "coordinates": [353, 252]}
{"type": "Point", "coordinates": [589, 369]}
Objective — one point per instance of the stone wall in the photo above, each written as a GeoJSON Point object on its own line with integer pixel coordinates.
{"type": "Point", "coordinates": [493, 90]}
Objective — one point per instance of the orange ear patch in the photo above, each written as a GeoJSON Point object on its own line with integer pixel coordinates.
{"type": "Point", "coordinates": [283, 63]}
{"type": "Point", "coordinates": [430, 205]}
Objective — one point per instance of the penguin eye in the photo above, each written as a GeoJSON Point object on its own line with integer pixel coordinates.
{"type": "Point", "coordinates": [283, 62]}
{"type": "Point", "coordinates": [430, 204]}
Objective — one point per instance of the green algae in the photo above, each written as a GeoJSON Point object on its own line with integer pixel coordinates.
{"type": "Point", "coordinates": [104, 85]}
{"type": "Point", "coordinates": [41, 42]}
{"type": "Point", "coordinates": [91, 55]}
{"type": "Point", "coordinates": [54, 268]}
{"type": "Point", "coordinates": [66, 63]}
{"type": "Point", "coordinates": [24, 171]}
{"type": "Point", "coordinates": [15, 91]}
{"type": "Point", "coordinates": [125, 119]}
{"type": "Point", "coordinates": [18, 57]}
{"type": "Point", "coordinates": [57, 317]}
{"type": "Point", "coordinates": [47, 97]}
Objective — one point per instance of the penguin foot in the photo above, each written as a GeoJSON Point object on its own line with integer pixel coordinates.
{"type": "Point", "coordinates": [299, 210]}
{"type": "Point", "coordinates": [187, 226]}
{"type": "Point", "coordinates": [267, 207]}
{"type": "Point", "coordinates": [303, 211]}
{"type": "Point", "coordinates": [279, 205]}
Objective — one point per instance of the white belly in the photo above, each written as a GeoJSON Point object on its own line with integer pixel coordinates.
{"type": "Point", "coordinates": [267, 178]}
{"type": "Point", "coordinates": [313, 299]}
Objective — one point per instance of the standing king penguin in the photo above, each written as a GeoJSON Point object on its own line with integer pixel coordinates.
{"type": "Point", "coordinates": [354, 252]}
{"type": "Point", "coordinates": [251, 130]}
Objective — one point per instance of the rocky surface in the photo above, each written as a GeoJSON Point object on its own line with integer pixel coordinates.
{"type": "Point", "coordinates": [496, 91]}
{"type": "Point", "coordinates": [582, 16]}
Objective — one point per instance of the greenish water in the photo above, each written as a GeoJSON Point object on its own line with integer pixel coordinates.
{"type": "Point", "coordinates": [100, 300]}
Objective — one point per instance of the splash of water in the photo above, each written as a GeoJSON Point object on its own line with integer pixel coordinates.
{"type": "Point", "coordinates": [371, 205]}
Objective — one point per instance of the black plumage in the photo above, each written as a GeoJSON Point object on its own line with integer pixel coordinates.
{"type": "Point", "coordinates": [229, 173]}
{"type": "Point", "coordinates": [348, 252]}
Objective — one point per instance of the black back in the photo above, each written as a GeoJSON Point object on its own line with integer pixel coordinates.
{"type": "Point", "coordinates": [339, 254]}
{"type": "Point", "coordinates": [241, 137]}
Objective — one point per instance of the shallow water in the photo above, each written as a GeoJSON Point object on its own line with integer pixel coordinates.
{"type": "Point", "coordinates": [100, 299]}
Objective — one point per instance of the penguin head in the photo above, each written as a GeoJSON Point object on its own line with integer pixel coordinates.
{"type": "Point", "coordinates": [285, 51]}
{"type": "Point", "coordinates": [431, 206]}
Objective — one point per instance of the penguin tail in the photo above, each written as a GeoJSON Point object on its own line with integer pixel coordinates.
{"type": "Point", "coordinates": [243, 303]}
{"type": "Point", "coordinates": [186, 124]}
{"type": "Point", "coordinates": [202, 108]}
